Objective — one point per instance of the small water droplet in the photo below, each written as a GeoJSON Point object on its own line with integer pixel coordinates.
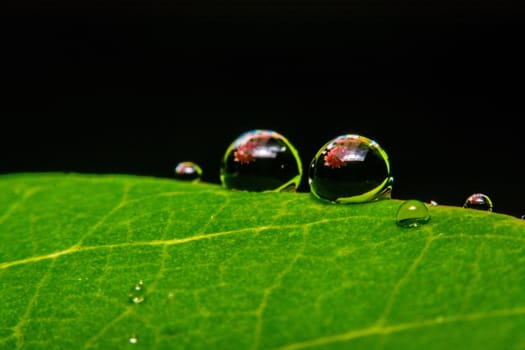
{"type": "Point", "coordinates": [412, 213]}
{"type": "Point", "coordinates": [350, 169]}
{"type": "Point", "coordinates": [523, 216]}
{"type": "Point", "coordinates": [261, 160]}
{"type": "Point", "coordinates": [433, 203]}
{"type": "Point", "coordinates": [133, 339]}
{"type": "Point", "coordinates": [478, 201]}
{"type": "Point", "coordinates": [137, 294]}
{"type": "Point", "coordinates": [188, 171]}
{"type": "Point", "coordinates": [171, 297]}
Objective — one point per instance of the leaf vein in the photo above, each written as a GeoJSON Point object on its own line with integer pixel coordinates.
{"type": "Point", "coordinates": [392, 297]}
{"type": "Point", "coordinates": [18, 329]}
{"type": "Point", "coordinates": [396, 328]}
{"type": "Point", "coordinates": [268, 291]}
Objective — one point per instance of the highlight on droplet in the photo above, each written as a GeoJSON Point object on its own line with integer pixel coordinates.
{"type": "Point", "coordinates": [188, 171]}
{"type": "Point", "coordinates": [350, 169]}
{"type": "Point", "coordinates": [412, 213]}
{"type": "Point", "coordinates": [133, 339]}
{"type": "Point", "coordinates": [478, 201]}
{"type": "Point", "coordinates": [137, 293]}
{"type": "Point", "coordinates": [261, 160]}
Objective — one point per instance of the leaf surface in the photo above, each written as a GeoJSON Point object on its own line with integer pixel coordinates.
{"type": "Point", "coordinates": [243, 270]}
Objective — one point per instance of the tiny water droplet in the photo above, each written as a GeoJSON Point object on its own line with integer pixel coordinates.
{"type": "Point", "coordinates": [188, 171]}
{"type": "Point", "coordinates": [171, 297]}
{"type": "Point", "coordinates": [137, 294]}
{"type": "Point", "coordinates": [133, 339]}
{"type": "Point", "coordinates": [412, 213]}
{"type": "Point", "coordinates": [433, 203]}
{"type": "Point", "coordinates": [523, 216]}
{"type": "Point", "coordinates": [478, 201]}
{"type": "Point", "coordinates": [350, 169]}
{"type": "Point", "coordinates": [261, 160]}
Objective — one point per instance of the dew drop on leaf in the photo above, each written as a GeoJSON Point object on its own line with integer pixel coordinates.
{"type": "Point", "coordinates": [171, 296]}
{"type": "Point", "coordinates": [478, 201]}
{"type": "Point", "coordinates": [261, 160]}
{"type": "Point", "coordinates": [188, 171]}
{"type": "Point", "coordinates": [137, 293]}
{"type": "Point", "coordinates": [350, 169]}
{"type": "Point", "coordinates": [412, 213]}
{"type": "Point", "coordinates": [133, 339]}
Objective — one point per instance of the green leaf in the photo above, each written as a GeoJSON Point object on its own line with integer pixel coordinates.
{"type": "Point", "coordinates": [245, 270]}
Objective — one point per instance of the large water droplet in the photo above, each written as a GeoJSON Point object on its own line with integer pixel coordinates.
{"type": "Point", "coordinates": [188, 171]}
{"type": "Point", "coordinates": [137, 293]}
{"type": "Point", "coordinates": [261, 160]}
{"type": "Point", "coordinates": [478, 201]}
{"type": "Point", "coordinates": [350, 169]}
{"type": "Point", "coordinates": [412, 213]}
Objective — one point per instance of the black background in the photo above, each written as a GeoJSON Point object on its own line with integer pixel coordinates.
{"type": "Point", "coordinates": [136, 86]}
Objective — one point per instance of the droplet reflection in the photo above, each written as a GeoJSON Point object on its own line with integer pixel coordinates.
{"type": "Point", "coordinates": [478, 201]}
{"type": "Point", "coordinates": [261, 160]}
{"type": "Point", "coordinates": [188, 171]}
{"type": "Point", "coordinates": [350, 169]}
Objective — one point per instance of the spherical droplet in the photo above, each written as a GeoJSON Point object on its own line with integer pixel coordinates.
{"type": "Point", "coordinates": [137, 294]}
{"type": "Point", "coordinates": [261, 160]}
{"type": "Point", "coordinates": [412, 213]}
{"type": "Point", "coordinates": [188, 171]}
{"type": "Point", "coordinates": [478, 201]}
{"type": "Point", "coordinates": [350, 169]}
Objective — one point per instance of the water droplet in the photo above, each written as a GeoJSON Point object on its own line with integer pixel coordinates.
{"type": "Point", "coordinates": [433, 203]}
{"type": "Point", "coordinates": [171, 297]}
{"type": "Point", "coordinates": [350, 169]}
{"type": "Point", "coordinates": [523, 216]}
{"type": "Point", "coordinates": [137, 294]}
{"type": "Point", "coordinates": [412, 213]}
{"type": "Point", "coordinates": [261, 160]}
{"type": "Point", "coordinates": [188, 171]}
{"type": "Point", "coordinates": [133, 339]}
{"type": "Point", "coordinates": [478, 201]}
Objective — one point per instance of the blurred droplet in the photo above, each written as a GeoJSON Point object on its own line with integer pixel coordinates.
{"type": "Point", "coordinates": [133, 339]}
{"type": "Point", "coordinates": [188, 171]}
{"type": "Point", "coordinates": [137, 294]}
